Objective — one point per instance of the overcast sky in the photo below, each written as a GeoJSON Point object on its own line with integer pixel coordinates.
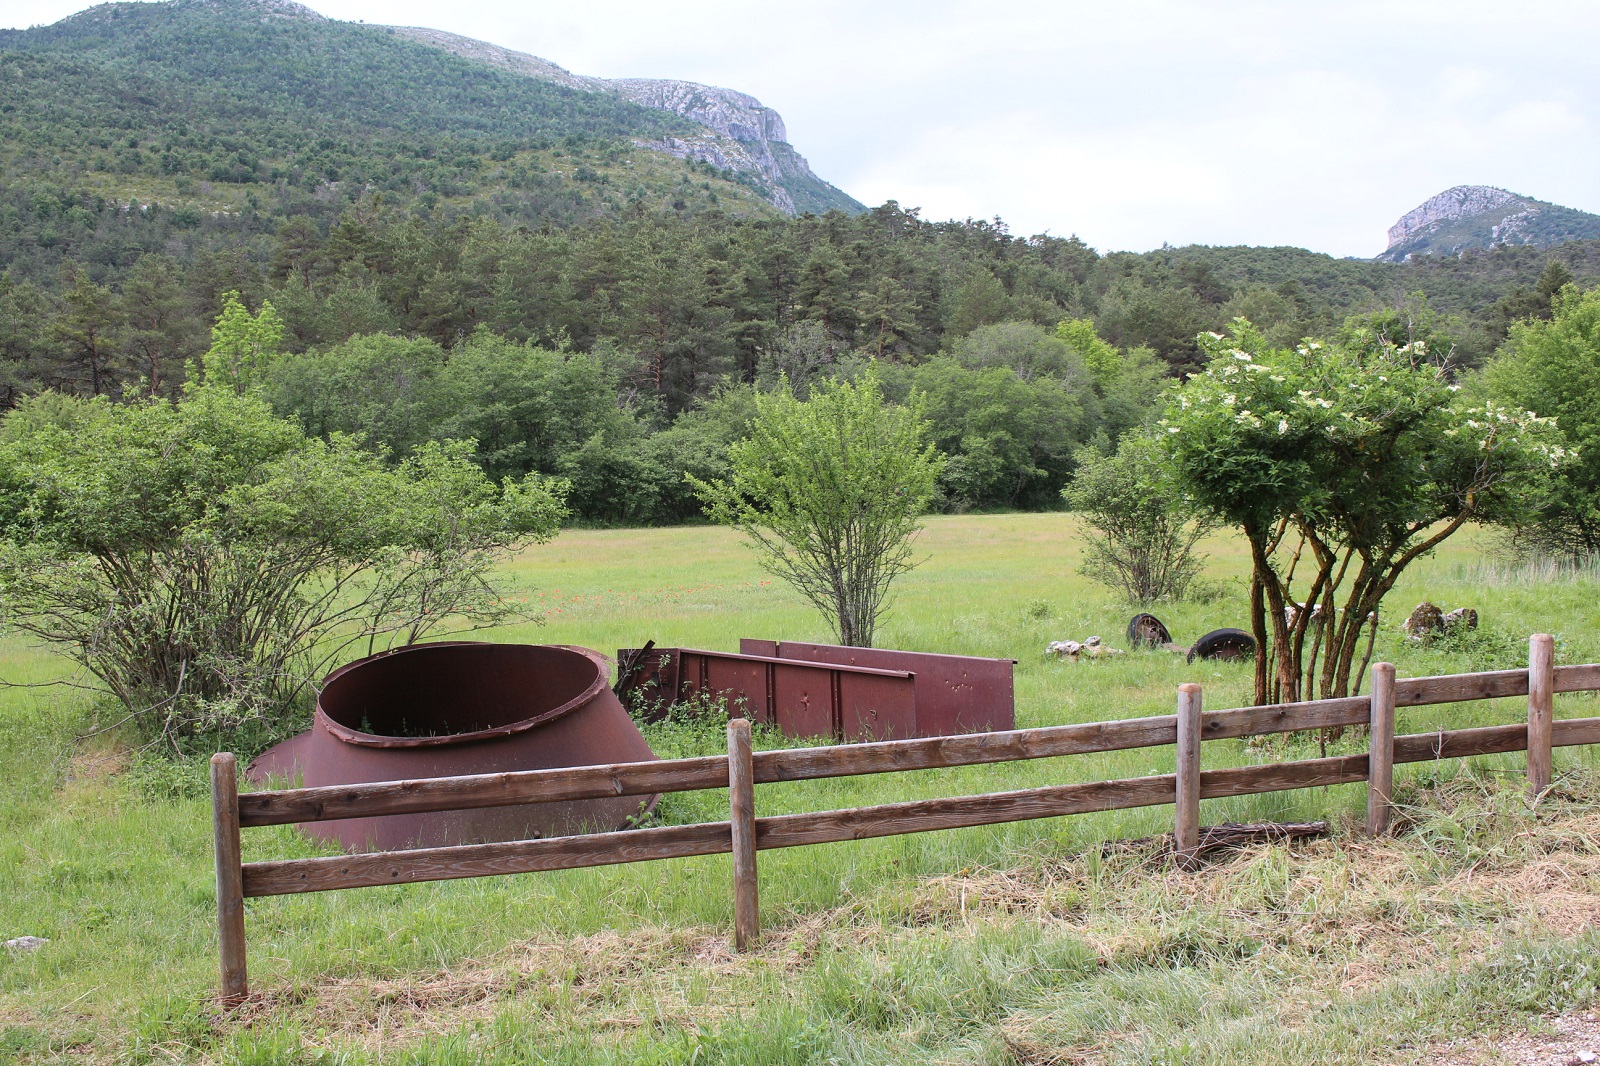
{"type": "Point", "coordinates": [1129, 123]}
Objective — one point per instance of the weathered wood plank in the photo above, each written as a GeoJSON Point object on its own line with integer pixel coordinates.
{"type": "Point", "coordinates": [1567, 732]}
{"type": "Point", "coordinates": [1460, 743]}
{"type": "Point", "coordinates": [230, 876]}
{"type": "Point", "coordinates": [1283, 776]}
{"type": "Point", "coordinates": [1458, 688]}
{"type": "Point", "coordinates": [376, 798]}
{"type": "Point", "coordinates": [1380, 751]}
{"type": "Point", "coordinates": [1583, 678]}
{"type": "Point", "coordinates": [921, 816]}
{"type": "Point", "coordinates": [1541, 711]}
{"type": "Point", "coordinates": [484, 860]}
{"type": "Point", "coordinates": [1186, 809]}
{"type": "Point", "coordinates": [742, 821]}
{"type": "Point", "coordinates": [1015, 745]}
{"type": "Point", "coordinates": [1285, 717]}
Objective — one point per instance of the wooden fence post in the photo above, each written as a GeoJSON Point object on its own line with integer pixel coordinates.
{"type": "Point", "coordinates": [1380, 757]}
{"type": "Point", "coordinates": [1541, 711]}
{"type": "Point", "coordinates": [230, 876]}
{"type": "Point", "coordinates": [1186, 830]}
{"type": "Point", "coordinates": [742, 818]}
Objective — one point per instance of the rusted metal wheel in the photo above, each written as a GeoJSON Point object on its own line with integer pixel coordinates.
{"type": "Point", "coordinates": [1223, 644]}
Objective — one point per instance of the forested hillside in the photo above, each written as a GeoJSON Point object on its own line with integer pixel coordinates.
{"type": "Point", "coordinates": [235, 107]}
{"type": "Point", "coordinates": [452, 249]}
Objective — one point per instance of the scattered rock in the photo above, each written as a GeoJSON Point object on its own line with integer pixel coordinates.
{"type": "Point", "coordinates": [26, 943]}
{"type": "Point", "coordinates": [1571, 1039]}
{"type": "Point", "coordinates": [1428, 621]}
{"type": "Point", "coordinates": [1291, 613]}
{"type": "Point", "coordinates": [1227, 644]}
{"type": "Point", "coordinates": [1088, 649]}
{"type": "Point", "coordinates": [1425, 618]}
{"type": "Point", "coordinates": [1146, 630]}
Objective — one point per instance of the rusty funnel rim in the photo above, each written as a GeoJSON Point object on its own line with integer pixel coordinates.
{"type": "Point", "coordinates": [337, 680]}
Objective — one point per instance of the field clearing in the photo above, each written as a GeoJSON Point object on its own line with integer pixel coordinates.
{"type": "Point", "coordinates": [996, 944]}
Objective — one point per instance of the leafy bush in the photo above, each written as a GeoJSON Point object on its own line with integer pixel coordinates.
{"type": "Point", "coordinates": [1551, 367]}
{"type": "Point", "coordinates": [1140, 530]}
{"type": "Point", "coordinates": [204, 560]}
{"type": "Point", "coordinates": [1343, 464]}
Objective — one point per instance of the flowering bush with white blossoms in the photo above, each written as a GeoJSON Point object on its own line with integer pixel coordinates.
{"type": "Point", "coordinates": [1353, 460]}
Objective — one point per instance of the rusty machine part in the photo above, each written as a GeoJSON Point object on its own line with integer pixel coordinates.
{"type": "Point", "coordinates": [954, 693]}
{"type": "Point", "coordinates": [827, 690]}
{"type": "Point", "coordinates": [1146, 630]}
{"type": "Point", "coordinates": [802, 699]}
{"type": "Point", "coordinates": [460, 707]}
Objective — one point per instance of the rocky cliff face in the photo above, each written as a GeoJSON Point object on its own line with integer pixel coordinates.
{"type": "Point", "coordinates": [741, 134]}
{"type": "Point", "coordinates": [1481, 216]}
{"type": "Point", "coordinates": [1449, 206]}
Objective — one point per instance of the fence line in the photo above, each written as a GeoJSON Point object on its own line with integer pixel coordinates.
{"type": "Point", "coordinates": [745, 834]}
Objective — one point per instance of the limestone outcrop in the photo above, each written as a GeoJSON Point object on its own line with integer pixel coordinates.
{"type": "Point", "coordinates": [741, 134]}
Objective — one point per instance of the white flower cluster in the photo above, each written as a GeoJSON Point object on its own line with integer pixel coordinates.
{"type": "Point", "coordinates": [1498, 424]}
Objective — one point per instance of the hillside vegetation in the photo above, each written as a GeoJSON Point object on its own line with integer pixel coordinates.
{"type": "Point", "coordinates": [238, 107]}
{"type": "Point", "coordinates": [1031, 943]}
{"type": "Point", "coordinates": [454, 248]}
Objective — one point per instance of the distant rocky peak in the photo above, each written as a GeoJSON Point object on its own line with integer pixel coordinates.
{"type": "Point", "coordinates": [1470, 217]}
{"type": "Point", "coordinates": [1460, 202]}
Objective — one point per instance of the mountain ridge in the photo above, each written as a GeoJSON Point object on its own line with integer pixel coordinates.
{"type": "Point", "coordinates": [747, 137]}
{"type": "Point", "coordinates": [149, 102]}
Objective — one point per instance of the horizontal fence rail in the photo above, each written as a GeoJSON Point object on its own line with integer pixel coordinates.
{"type": "Point", "coordinates": [744, 833]}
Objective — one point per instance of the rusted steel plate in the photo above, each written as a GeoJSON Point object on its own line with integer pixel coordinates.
{"type": "Point", "coordinates": [740, 683]}
{"type": "Point", "coordinates": [457, 708]}
{"type": "Point", "coordinates": [954, 693]}
{"type": "Point", "coordinates": [803, 699]}
{"type": "Point", "coordinates": [876, 708]}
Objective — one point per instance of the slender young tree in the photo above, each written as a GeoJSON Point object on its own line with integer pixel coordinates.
{"type": "Point", "coordinates": [829, 491]}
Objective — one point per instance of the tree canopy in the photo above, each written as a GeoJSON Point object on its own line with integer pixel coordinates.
{"type": "Point", "coordinates": [1553, 367]}
{"type": "Point", "coordinates": [1342, 464]}
{"type": "Point", "coordinates": [203, 559]}
{"type": "Point", "coordinates": [829, 491]}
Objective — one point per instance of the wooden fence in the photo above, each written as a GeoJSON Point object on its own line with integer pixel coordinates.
{"type": "Point", "coordinates": [744, 833]}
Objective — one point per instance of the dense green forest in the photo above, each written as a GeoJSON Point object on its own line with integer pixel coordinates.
{"type": "Point", "coordinates": [455, 250]}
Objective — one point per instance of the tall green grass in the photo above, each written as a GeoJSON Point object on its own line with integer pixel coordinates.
{"type": "Point", "coordinates": [114, 868]}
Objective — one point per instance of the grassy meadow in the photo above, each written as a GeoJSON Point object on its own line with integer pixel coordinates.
{"type": "Point", "coordinates": [1040, 942]}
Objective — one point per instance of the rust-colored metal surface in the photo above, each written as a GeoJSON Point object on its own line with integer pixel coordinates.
{"type": "Point", "coordinates": [805, 699]}
{"type": "Point", "coordinates": [453, 708]}
{"type": "Point", "coordinates": [829, 690]}
{"type": "Point", "coordinates": [954, 693]}
{"type": "Point", "coordinates": [802, 699]}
